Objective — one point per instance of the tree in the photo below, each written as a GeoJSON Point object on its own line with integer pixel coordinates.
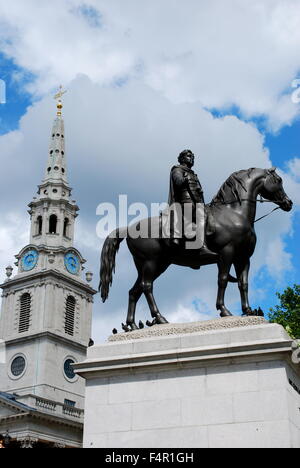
{"type": "Point", "coordinates": [287, 313]}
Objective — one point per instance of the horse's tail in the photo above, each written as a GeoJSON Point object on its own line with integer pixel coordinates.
{"type": "Point", "coordinates": [108, 260]}
{"type": "Point", "coordinates": [232, 279]}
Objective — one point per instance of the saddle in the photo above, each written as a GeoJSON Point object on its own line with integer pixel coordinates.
{"type": "Point", "coordinates": [166, 225]}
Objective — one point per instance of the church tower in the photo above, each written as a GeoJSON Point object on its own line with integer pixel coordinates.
{"type": "Point", "coordinates": [47, 311]}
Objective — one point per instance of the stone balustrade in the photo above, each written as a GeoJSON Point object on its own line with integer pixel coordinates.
{"type": "Point", "coordinates": [53, 407]}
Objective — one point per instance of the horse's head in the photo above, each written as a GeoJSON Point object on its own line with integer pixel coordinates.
{"type": "Point", "coordinates": [273, 190]}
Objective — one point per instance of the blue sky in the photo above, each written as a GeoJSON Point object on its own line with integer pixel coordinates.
{"type": "Point", "coordinates": [17, 99]}
{"type": "Point", "coordinates": [284, 146]}
{"type": "Point", "coordinates": [140, 89]}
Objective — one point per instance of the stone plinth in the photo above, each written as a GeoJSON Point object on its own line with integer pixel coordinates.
{"type": "Point", "coordinates": [223, 383]}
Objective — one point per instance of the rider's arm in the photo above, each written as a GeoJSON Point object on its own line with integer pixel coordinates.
{"type": "Point", "coordinates": [179, 178]}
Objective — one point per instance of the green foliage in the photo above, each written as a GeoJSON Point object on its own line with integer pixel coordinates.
{"type": "Point", "coordinates": [287, 313]}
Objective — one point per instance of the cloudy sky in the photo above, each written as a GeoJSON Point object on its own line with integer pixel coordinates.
{"type": "Point", "coordinates": [145, 80]}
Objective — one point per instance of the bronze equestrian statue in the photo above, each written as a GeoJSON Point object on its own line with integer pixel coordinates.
{"type": "Point", "coordinates": [230, 238]}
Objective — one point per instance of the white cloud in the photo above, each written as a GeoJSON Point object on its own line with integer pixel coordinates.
{"type": "Point", "coordinates": [14, 234]}
{"type": "Point", "coordinates": [277, 260]}
{"type": "Point", "coordinates": [294, 168]}
{"type": "Point", "coordinates": [125, 141]}
{"type": "Point", "coordinates": [215, 53]}
{"type": "Point", "coordinates": [186, 314]}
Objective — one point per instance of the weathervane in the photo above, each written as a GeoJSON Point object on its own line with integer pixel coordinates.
{"type": "Point", "coordinates": [59, 101]}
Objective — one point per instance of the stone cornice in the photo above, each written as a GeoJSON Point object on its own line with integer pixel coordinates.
{"type": "Point", "coordinates": [42, 276]}
{"type": "Point", "coordinates": [35, 414]}
{"type": "Point", "coordinates": [52, 201]}
{"type": "Point", "coordinates": [57, 183]}
{"type": "Point", "coordinates": [187, 358]}
{"type": "Point", "coordinates": [187, 351]}
{"type": "Point", "coordinates": [46, 334]}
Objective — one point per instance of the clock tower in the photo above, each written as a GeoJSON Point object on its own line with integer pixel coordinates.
{"type": "Point", "coordinates": [47, 311]}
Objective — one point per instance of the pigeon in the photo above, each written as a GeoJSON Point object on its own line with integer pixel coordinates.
{"type": "Point", "coordinates": [125, 327]}
{"type": "Point", "coordinates": [260, 312]}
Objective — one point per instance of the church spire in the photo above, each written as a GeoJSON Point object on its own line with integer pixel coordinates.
{"type": "Point", "coordinates": [56, 166]}
{"type": "Point", "coordinates": [52, 211]}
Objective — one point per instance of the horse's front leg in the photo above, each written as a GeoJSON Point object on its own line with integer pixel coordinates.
{"type": "Point", "coordinates": [242, 271]}
{"type": "Point", "coordinates": [224, 266]}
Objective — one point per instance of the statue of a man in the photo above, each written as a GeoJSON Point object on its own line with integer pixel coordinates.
{"type": "Point", "coordinates": [186, 192]}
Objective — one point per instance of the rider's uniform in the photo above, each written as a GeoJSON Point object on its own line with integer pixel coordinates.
{"type": "Point", "coordinates": [187, 193]}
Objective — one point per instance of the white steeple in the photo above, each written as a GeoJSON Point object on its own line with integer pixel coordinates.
{"type": "Point", "coordinates": [56, 167]}
{"type": "Point", "coordinates": [52, 211]}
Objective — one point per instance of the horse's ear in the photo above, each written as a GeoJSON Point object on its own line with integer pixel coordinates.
{"type": "Point", "coordinates": [273, 169]}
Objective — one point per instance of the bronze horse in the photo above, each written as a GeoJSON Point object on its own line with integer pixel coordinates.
{"type": "Point", "coordinates": [230, 235]}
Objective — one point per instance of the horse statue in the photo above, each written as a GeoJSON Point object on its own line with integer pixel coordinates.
{"type": "Point", "coordinates": [230, 236]}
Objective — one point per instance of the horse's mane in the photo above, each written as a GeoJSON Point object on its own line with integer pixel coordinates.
{"type": "Point", "coordinates": [232, 186]}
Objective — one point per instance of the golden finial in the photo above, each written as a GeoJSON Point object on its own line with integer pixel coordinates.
{"type": "Point", "coordinates": [58, 96]}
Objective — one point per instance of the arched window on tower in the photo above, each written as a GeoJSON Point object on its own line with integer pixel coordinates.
{"type": "Point", "coordinates": [52, 224]}
{"type": "Point", "coordinates": [70, 315]}
{"type": "Point", "coordinates": [39, 225]}
{"type": "Point", "coordinates": [66, 227]}
{"type": "Point", "coordinates": [25, 311]}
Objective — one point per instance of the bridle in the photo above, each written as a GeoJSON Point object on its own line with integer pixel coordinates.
{"type": "Point", "coordinates": [259, 200]}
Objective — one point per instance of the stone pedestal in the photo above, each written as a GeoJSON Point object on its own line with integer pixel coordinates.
{"type": "Point", "coordinates": [231, 382]}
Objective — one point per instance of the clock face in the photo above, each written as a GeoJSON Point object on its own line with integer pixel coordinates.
{"type": "Point", "coordinates": [72, 263]}
{"type": "Point", "coordinates": [17, 366]}
{"type": "Point", "coordinates": [68, 369]}
{"type": "Point", "coordinates": [29, 259]}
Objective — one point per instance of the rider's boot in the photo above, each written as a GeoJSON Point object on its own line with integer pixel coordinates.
{"type": "Point", "coordinates": [206, 251]}
{"type": "Point", "coordinates": [175, 242]}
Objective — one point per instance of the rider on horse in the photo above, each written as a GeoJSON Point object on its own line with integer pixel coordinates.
{"type": "Point", "coordinates": [187, 194]}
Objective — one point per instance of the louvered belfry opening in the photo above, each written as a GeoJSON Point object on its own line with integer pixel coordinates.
{"type": "Point", "coordinates": [39, 225]}
{"type": "Point", "coordinates": [70, 315]}
{"type": "Point", "coordinates": [25, 309]}
{"type": "Point", "coordinates": [52, 224]}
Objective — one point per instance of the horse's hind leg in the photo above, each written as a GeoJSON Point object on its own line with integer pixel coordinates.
{"type": "Point", "coordinates": [134, 295]}
{"type": "Point", "coordinates": [151, 271]}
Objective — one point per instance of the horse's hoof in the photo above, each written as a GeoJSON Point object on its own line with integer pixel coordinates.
{"type": "Point", "coordinates": [161, 320]}
{"type": "Point", "coordinates": [225, 313]}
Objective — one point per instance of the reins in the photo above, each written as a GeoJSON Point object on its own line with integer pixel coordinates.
{"type": "Point", "coordinates": [260, 200]}
{"type": "Point", "coordinates": [262, 217]}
